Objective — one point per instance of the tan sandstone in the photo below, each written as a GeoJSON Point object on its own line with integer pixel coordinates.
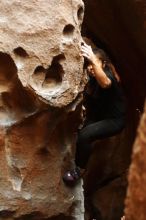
{"type": "Point", "coordinates": [41, 81]}
{"type": "Point", "coordinates": [136, 196]}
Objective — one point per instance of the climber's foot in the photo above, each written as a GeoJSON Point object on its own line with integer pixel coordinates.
{"type": "Point", "coordinates": [71, 177]}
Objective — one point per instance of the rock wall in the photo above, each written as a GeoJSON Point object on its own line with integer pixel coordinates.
{"type": "Point", "coordinates": [136, 195]}
{"type": "Point", "coordinates": [41, 81]}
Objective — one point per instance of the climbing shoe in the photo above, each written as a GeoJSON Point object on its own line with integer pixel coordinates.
{"type": "Point", "coordinates": [71, 177]}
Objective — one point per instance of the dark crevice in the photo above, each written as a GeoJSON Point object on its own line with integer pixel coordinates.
{"type": "Point", "coordinates": [68, 31]}
{"type": "Point", "coordinates": [51, 76]}
{"type": "Point", "coordinates": [8, 69]}
{"type": "Point", "coordinates": [19, 51]}
{"type": "Point", "coordinates": [39, 69]}
{"type": "Point", "coordinates": [111, 26]}
{"type": "Point", "coordinates": [107, 181]}
{"type": "Point", "coordinates": [15, 99]}
{"type": "Point", "coordinates": [6, 213]}
{"type": "Point", "coordinates": [80, 13]}
{"type": "Point", "coordinates": [55, 72]}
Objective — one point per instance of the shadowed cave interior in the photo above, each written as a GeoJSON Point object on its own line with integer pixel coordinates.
{"type": "Point", "coordinates": [118, 28]}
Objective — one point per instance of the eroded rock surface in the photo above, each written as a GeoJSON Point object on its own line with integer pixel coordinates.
{"type": "Point", "coordinates": [136, 196]}
{"type": "Point", "coordinates": [41, 79]}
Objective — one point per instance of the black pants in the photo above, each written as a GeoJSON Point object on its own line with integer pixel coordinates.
{"type": "Point", "coordinates": [94, 131]}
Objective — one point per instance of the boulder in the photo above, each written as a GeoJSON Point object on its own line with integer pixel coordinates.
{"type": "Point", "coordinates": [41, 82]}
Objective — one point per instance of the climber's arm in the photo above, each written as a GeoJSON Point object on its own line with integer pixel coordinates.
{"type": "Point", "coordinates": [99, 74]}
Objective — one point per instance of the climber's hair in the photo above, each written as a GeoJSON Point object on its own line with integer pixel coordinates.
{"type": "Point", "coordinates": [106, 62]}
{"type": "Point", "coordinates": [101, 55]}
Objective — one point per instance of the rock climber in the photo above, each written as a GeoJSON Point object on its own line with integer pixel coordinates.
{"type": "Point", "coordinates": [107, 114]}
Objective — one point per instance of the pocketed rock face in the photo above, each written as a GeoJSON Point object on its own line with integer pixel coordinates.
{"type": "Point", "coordinates": [41, 37]}
{"type": "Point", "coordinates": [41, 81]}
{"type": "Point", "coordinates": [136, 196]}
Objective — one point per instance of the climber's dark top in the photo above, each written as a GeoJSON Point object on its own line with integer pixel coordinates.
{"type": "Point", "coordinates": [104, 103]}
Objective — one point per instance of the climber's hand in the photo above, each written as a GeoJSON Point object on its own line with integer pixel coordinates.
{"type": "Point", "coordinates": [87, 52]}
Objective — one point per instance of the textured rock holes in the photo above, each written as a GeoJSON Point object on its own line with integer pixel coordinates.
{"type": "Point", "coordinates": [39, 76]}
{"type": "Point", "coordinates": [80, 13]}
{"type": "Point", "coordinates": [20, 54]}
{"type": "Point", "coordinates": [8, 71]}
{"type": "Point", "coordinates": [8, 74]}
{"type": "Point", "coordinates": [14, 99]}
{"type": "Point", "coordinates": [55, 72]}
{"type": "Point", "coordinates": [19, 51]}
{"type": "Point", "coordinates": [68, 31]}
{"type": "Point", "coordinates": [51, 77]}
